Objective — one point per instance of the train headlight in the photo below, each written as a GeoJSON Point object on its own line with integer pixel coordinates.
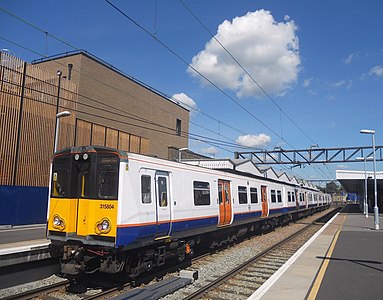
{"type": "Point", "coordinates": [58, 222]}
{"type": "Point", "coordinates": [103, 226]}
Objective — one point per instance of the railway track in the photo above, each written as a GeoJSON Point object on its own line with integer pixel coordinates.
{"type": "Point", "coordinates": [238, 283]}
{"type": "Point", "coordinates": [40, 292]}
{"type": "Point", "coordinates": [242, 281]}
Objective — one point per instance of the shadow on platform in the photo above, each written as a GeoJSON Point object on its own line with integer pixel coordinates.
{"type": "Point", "coordinates": [351, 209]}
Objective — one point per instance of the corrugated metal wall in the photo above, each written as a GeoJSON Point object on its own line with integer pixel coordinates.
{"type": "Point", "coordinates": [28, 103]}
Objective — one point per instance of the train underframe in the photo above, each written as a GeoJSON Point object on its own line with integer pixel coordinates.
{"type": "Point", "coordinates": [79, 258]}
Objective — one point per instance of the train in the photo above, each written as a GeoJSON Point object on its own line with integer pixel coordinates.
{"type": "Point", "coordinates": [116, 212]}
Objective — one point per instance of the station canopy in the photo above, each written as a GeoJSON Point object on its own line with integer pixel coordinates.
{"type": "Point", "coordinates": [354, 181]}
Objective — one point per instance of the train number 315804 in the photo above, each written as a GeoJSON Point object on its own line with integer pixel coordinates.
{"type": "Point", "coordinates": [106, 206]}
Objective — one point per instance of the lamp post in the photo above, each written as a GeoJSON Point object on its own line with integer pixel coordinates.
{"type": "Point", "coordinates": [376, 209]}
{"type": "Point", "coordinates": [179, 153]}
{"type": "Point", "coordinates": [365, 203]}
{"type": "Point", "coordinates": [58, 116]}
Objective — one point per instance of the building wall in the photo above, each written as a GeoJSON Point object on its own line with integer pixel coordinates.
{"type": "Point", "coordinates": [109, 98]}
{"type": "Point", "coordinates": [28, 103]}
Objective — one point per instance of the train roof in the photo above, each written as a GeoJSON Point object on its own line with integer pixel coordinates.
{"type": "Point", "coordinates": [239, 166]}
{"type": "Point", "coordinates": [249, 167]}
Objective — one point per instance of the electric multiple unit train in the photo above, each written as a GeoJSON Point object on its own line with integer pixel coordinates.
{"type": "Point", "coordinates": [114, 211]}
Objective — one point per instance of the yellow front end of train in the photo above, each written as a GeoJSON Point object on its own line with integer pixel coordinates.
{"type": "Point", "coordinates": [83, 203]}
{"type": "Point", "coordinates": [83, 217]}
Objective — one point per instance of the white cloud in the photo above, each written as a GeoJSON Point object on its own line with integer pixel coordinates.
{"type": "Point", "coordinates": [351, 58]}
{"type": "Point", "coordinates": [185, 101]}
{"type": "Point", "coordinates": [256, 141]}
{"type": "Point", "coordinates": [343, 83]}
{"type": "Point", "coordinates": [211, 150]}
{"type": "Point", "coordinates": [268, 50]}
{"type": "Point", "coordinates": [376, 71]}
{"type": "Point", "coordinates": [307, 82]}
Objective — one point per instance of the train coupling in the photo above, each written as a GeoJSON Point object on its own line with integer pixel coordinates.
{"type": "Point", "coordinates": [73, 260]}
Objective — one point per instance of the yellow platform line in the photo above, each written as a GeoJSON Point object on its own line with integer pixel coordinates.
{"type": "Point", "coordinates": [319, 278]}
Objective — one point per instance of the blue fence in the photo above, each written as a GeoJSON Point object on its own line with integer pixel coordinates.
{"type": "Point", "coordinates": [21, 205]}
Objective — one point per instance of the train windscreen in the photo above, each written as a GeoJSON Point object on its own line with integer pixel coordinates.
{"type": "Point", "coordinates": [91, 176]}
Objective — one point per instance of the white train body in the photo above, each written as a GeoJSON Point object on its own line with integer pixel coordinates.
{"type": "Point", "coordinates": [135, 201]}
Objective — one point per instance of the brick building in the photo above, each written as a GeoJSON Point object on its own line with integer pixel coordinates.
{"type": "Point", "coordinates": [139, 118]}
{"type": "Point", "coordinates": [107, 107]}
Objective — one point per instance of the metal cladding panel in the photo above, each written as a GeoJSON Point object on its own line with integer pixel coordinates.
{"type": "Point", "coordinates": [23, 205]}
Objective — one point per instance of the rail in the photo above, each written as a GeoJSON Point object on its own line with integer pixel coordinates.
{"type": "Point", "coordinates": [254, 265]}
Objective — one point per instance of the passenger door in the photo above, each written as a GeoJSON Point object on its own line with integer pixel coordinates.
{"type": "Point", "coordinates": [224, 201]}
{"type": "Point", "coordinates": [265, 204]}
{"type": "Point", "coordinates": [163, 210]}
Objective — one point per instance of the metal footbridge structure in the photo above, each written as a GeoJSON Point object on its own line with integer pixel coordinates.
{"type": "Point", "coordinates": [310, 156]}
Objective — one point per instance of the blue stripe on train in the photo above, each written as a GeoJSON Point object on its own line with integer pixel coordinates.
{"type": "Point", "coordinates": [129, 235]}
{"type": "Point", "coordinates": [247, 215]}
{"type": "Point", "coordinates": [280, 210]}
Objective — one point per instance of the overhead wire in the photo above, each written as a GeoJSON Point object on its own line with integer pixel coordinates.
{"type": "Point", "coordinates": [251, 77]}
{"type": "Point", "coordinates": [205, 139]}
{"type": "Point", "coordinates": [195, 70]}
{"type": "Point", "coordinates": [243, 69]}
{"type": "Point", "coordinates": [61, 40]}
{"type": "Point", "coordinates": [76, 48]}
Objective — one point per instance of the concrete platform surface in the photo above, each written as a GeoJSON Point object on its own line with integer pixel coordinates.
{"type": "Point", "coordinates": [343, 261]}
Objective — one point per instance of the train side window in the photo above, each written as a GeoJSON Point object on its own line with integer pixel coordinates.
{"type": "Point", "coordinates": [146, 195]}
{"type": "Point", "coordinates": [288, 196]}
{"type": "Point", "coordinates": [242, 195]}
{"type": "Point", "coordinates": [162, 192]}
{"type": "Point", "coordinates": [293, 196]}
{"type": "Point", "coordinates": [201, 193]}
{"type": "Point", "coordinates": [279, 196]}
{"type": "Point", "coordinates": [220, 199]}
{"type": "Point", "coordinates": [273, 197]}
{"type": "Point", "coordinates": [253, 195]}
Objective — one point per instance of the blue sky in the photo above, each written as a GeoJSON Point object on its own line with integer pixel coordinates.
{"type": "Point", "coordinates": [321, 63]}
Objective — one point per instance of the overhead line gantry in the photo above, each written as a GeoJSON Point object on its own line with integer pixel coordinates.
{"type": "Point", "coordinates": [310, 156]}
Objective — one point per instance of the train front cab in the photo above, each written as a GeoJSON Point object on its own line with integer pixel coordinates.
{"type": "Point", "coordinates": [83, 200]}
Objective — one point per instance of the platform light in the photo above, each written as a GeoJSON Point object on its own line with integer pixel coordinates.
{"type": "Point", "coordinates": [58, 116]}
{"type": "Point", "coordinates": [179, 153]}
{"type": "Point", "coordinates": [365, 203]}
{"type": "Point", "coordinates": [367, 131]}
{"type": "Point", "coordinates": [376, 209]}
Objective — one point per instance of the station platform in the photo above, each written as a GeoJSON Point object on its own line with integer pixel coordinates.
{"type": "Point", "coordinates": [22, 244]}
{"type": "Point", "coordinates": [342, 261]}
